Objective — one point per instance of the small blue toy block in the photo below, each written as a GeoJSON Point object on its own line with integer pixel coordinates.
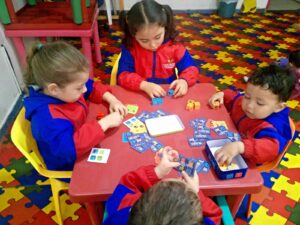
{"type": "Point", "coordinates": [157, 101]}
{"type": "Point", "coordinates": [170, 92]}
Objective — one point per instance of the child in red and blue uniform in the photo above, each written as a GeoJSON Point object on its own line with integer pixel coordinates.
{"type": "Point", "coordinates": [260, 115]}
{"type": "Point", "coordinates": [150, 54]}
{"type": "Point", "coordinates": [142, 197]}
{"type": "Point", "coordinates": [59, 89]}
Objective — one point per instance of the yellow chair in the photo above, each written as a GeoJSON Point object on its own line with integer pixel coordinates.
{"type": "Point", "coordinates": [22, 138]}
{"type": "Point", "coordinates": [113, 76]}
{"type": "Point", "coordinates": [273, 164]}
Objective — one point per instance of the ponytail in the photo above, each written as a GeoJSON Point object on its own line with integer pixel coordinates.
{"type": "Point", "coordinates": [28, 75]}
{"type": "Point", "coordinates": [171, 32]}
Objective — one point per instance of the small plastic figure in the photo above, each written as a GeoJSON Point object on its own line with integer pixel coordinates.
{"type": "Point", "coordinates": [100, 115]}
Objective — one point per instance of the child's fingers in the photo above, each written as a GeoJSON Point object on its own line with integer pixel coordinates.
{"type": "Point", "coordinates": [218, 155]}
{"type": "Point", "coordinates": [174, 164]}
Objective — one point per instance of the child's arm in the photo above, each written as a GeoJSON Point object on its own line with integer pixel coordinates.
{"type": "Point", "coordinates": [209, 208]}
{"type": "Point", "coordinates": [262, 150]}
{"type": "Point", "coordinates": [115, 105]}
{"type": "Point", "coordinates": [187, 69]}
{"type": "Point", "coordinates": [127, 76]}
{"type": "Point", "coordinates": [59, 138]}
{"type": "Point", "coordinates": [95, 91]}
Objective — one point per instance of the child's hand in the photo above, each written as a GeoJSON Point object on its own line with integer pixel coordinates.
{"type": "Point", "coordinates": [229, 151]}
{"type": "Point", "coordinates": [168, 161]}
{"type": "Point", "coordinates": [117, 106]}
{"type": "Point", "coordinates": [114, 104]}
{"type": "Point", "coordinates": [192, 182]}
{"type": "Point", "coordinates": [180, 87]}
{"type": "Point", "coordinates": [216, 100]}
{"type": "Point", "coordinates": [152, 90]}
{"type": "Point", "coordinates": [111, 120]}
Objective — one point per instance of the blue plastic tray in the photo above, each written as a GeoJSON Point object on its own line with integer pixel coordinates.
{"type": "Point", "coordinates": [240, 166]}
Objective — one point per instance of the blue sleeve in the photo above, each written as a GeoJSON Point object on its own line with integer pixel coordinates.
{"type": "Point", "coordinates": [89, 86]}
{"type": "Point", "coordinates": [113, 215]}
{"type": "Point", "coordinates": [185, 62]}
{"type": "Point", "coordinates": [272, 133]}
{"type": "Point", "coordinates": [207, 221]}
{"type": "Point", "coordinates": [55, 142]}
{"type": "Point", "coordinates": [126, 62]}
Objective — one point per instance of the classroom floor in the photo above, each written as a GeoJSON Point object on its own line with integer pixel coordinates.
{"type": "Point", "coordinates": [225, 50]}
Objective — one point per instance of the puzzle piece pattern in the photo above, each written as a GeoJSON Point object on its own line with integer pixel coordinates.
{"type": "Point", "coordinates": [283, 183]}
{"type": "Point", "coordinates": [67, 208]}
{"type": "Point", "coordinates": [261, 217]}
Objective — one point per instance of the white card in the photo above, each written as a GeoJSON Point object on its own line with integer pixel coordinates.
{"type": "Point", "coordinates": [99, 155]}
{"type": "Point", "coordinates": [164, 125]}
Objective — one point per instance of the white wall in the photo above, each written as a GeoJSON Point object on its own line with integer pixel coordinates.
{"type": "Point", "coordinates": [194, 4]}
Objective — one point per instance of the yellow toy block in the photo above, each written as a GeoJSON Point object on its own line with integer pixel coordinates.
{"type": "Point", "coordinates": [190, 105]}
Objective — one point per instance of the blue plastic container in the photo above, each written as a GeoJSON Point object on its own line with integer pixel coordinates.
{"type": "Point", "coordinates": [240, 165]}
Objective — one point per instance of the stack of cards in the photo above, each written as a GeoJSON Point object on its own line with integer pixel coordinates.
{"type": "Point", "coordinates": [190, 165]}
{"type": "Point", "coordinates": [142, 142]}
{"type": "Point", "coordinates": [99, 155]}
{"type": "Point", "coordinates": [148, 115]}
{"type": "Point", "coordinates": [201, 132]}
{"type": "Point", "coordinates": [202, 129]}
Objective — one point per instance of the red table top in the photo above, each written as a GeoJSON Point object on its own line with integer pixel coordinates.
{"type": "Point", "coordinates": [92, 182]}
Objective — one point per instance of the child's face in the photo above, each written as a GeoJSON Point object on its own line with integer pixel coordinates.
{"type": "Point", "coordinates": [259, 103]}
{"type": "Point", "coordinates": [150, 36]}
{"type": "Point", "coordinates": [72, 91]}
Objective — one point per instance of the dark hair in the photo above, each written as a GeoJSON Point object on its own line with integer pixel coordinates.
{"type": "Point", "coordinates": [280, 81]}
{"type": "Point", "coordinates": [55, 62]}
{"type": "Point", "coordinates": [168, 202]}
{"type": "Point", "coordinates": [143, 13]}
{"type": "Point", "coordinates": [294, 58]}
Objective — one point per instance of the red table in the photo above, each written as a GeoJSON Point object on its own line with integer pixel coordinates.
{"type": "Point", "coordinates": [93, 182]}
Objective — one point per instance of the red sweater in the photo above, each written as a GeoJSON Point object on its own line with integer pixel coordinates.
{"type": "Point", "coordinates": [131, 187]}
{"type": "Point", "coordinates": [138, 64]}
{"type": "Point", "coordinates": [265, 138]}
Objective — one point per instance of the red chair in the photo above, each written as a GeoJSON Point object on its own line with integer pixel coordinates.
{"type": "Point", "coordinates": [75, 18]}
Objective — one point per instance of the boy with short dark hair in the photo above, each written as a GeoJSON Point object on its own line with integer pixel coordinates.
{"type": "Point", "coordinates": [260, 115]}
{"type": "Point", "coordinates": [143, 198]}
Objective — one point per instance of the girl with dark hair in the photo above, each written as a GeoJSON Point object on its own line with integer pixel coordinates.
{"type": "Point", "coordinates": [150, 54]}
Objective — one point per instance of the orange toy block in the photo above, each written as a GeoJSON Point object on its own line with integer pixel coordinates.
{"type": "Point", "coordinates": [197, 105]}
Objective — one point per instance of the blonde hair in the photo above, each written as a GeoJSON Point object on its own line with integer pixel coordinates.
{"type": "Point", "coordinates": [55, 62]}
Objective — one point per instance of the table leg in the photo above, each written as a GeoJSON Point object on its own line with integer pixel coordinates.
{"type": "Point", "coordinates": [234, 203]}
{"type": "Point", "coordinates": [87, 51]}
{"type": "Point", "coordinates": [19, 45]}
{"type": "Point", "coordinates": [97, 43]}
{"type": "Point", "coordinates": [95, 211]}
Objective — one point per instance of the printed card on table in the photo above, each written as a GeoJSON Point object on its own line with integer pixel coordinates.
{"type": "Point", "coordinates": [99, 155]}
